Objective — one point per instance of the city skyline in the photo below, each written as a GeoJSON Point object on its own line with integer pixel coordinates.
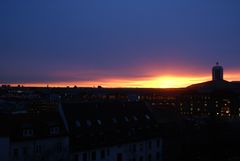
{"type": "Point", "coordinates": [118, 44]}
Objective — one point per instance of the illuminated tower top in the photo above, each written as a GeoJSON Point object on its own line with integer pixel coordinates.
{"type": "Point", "coordinates": [217, 72]}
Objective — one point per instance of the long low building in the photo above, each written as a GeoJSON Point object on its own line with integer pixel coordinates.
{"type": "Point", "coordinates": [92, 131]}
{"type": "Point", "coordinates": [113, 131]}
{"type": "Point", "coordinates": [33, 137]}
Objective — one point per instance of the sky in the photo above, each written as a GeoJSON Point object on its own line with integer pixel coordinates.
{"type": "Point", "coordinates": [118, 43]}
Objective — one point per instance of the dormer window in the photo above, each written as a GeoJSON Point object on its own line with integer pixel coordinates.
{"type": "Point", "coordinates": [126, 119]}
{"type": "Point", "coordinates": [27, 132]}
{"type": "Point", "coordinates": [54, 130]}
{"type": "Point", "coordinates": [89, 123]}
{"type": "Point", "coordinates": [99, 122]}
{"type": "Point", "coordinates": [147, 117]}
{"type": "Point", "coordinates": [78, 124]}
{"type": "Point", "coordinates": [114, 120]}
{"type": "Point", "coordinates": [135, 118]}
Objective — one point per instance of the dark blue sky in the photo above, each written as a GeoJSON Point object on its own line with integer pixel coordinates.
{"type": "Point", "coordinates": [60, 40]}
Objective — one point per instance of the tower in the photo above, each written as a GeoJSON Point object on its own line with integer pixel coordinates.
{"type": "Point", "coordinates": [217, 72]}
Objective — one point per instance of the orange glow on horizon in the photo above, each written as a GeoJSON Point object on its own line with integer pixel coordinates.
{"type": "Point", "coordinates": [166, 81]}
{"type": "Point", "coordinates": [155, 82]}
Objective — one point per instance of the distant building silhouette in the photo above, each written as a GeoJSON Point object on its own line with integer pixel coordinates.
{"type": "Point", "coordinates": [217, 72]}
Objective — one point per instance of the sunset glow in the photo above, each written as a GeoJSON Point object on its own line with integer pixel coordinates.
{"type": "Point", "coordinates": [166, 81]}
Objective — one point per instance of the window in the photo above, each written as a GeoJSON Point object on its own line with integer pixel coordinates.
{"type": "Point", "coordinates": [15, 153]}
{"type": "Point", "coordinates": [149, 157]}
{"type": "Point", "coordinates": [158, 143]}
{"type": "Point", "coordinates": [108, 152]}
{"type": "Point", "coordinates": [78, 124]}
{"type": "Point", "coordinates": [158, 156]}
{"type": "Point", "coordinates": [37, 148]}
{"type": "Point", "coordinates": [102, 154]}
{"type": "Point", "coordinates": [27, 132]}
{"type": "Point", "coordinates": [25, 151]}
{"type": "Point", "coordinates": [94, 155]}
{"type": "Point", "coordinates": [134, 148]}
{"type": "Point", "coordinates": [119, 157]}
{"type": "Point", "coordinates": [84, 157]}
{"type": "Point", "coordinates": [54, 130]}
{"type": "Point", "coordinates": [126, 119]}
{"type": "Point", "coordinates": [114, 120]}
{"type": "Point", "coordinates": [76, 157]}
{"type": "Point", "coordinates": [99, 122]}
{"type": "Point", "coordinates": [141, 147]}
{"type": "Point", "coordinates": [89, 123]}
{"type": "Point", "coordinates": [150, 144]}
{"type": "Point", "coordinates": [147, 117]}
{"type": "Point", "coordinates": [59, 147]}
{"type": "Point", "coordinates": [135, 118]}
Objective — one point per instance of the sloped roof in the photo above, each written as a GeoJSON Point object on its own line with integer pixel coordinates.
{"type": "Point", "coordinates": [96, 124]}
{"type": "Point", "coordinates": [211, 86]}
{"type": "Point", "coordinates": [12, 125]}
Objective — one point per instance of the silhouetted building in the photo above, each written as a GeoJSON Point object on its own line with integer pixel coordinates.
{"type": "Point", "coordinates": [217, 98]}
{"type": "Point", "coordinates": [33, 137]}
{"type": "Point", "coordinates": [112, 131]}
{"type": "Point", "coordinates": [217, 72]}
